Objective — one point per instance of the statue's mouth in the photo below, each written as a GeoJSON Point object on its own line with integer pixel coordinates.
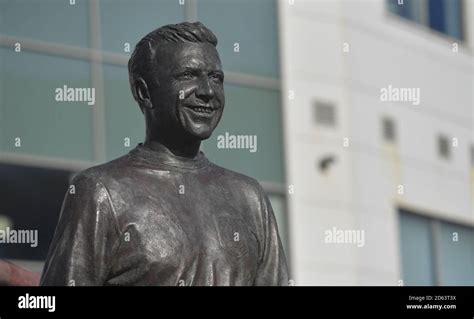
{"type": "Point", "coordinates": [202, 109]}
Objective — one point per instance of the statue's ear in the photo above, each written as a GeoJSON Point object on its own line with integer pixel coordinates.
{"type": "Point", "coordinates": [143, 94]}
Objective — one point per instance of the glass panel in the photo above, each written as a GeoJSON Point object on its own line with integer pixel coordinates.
{"type": "Point", "coordinates": [125, 124]}
{"type": "Point", "coordinates": [46, 189]}
{"type": "Point", "coordinates": [409, 9]}
{"type": "Point", "coordinates": [453, 18]}
{"type": "Point", "coordinates": [251, 24]}
{"type": "Point", "coordinates": [31, 113]}
{"type": "Point", "coordinates": [416, 250]}
{"type": "Point", "coordinates": [249, 113]}
{"type": "Point", "coordinates": [47, 20]}
{"type": "Point", "coordinates": [126, 21]}
{"type": "Point", "coordinates": [457, 255]}
{"type": "Point", "coordinates": [436, 11]}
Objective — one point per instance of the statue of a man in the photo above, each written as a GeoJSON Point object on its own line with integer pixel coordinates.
{"type": "Point", "coordinates": [164, 214]}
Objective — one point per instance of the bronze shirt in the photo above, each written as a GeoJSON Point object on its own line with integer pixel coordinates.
{"type": "Point", "coordinates": [151, 218]}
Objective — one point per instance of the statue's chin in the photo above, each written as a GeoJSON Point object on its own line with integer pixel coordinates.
{"type": "Point", "coordinates": [199, 131]}
{"type": "Point", "coordinates": [201, 135]}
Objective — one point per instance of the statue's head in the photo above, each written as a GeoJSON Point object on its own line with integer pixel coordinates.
{"type": "Point", "coordinates": [177, 79]}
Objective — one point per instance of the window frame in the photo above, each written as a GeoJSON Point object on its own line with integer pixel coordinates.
{"type": "Point", "coordinates": [424, 20]}
{"type": "Point", "coordinates": [435, 224]}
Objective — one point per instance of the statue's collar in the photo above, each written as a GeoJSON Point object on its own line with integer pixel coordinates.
{"type": "Point", "coordinates": [161, 155]}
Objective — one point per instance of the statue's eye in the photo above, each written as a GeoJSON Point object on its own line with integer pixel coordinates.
{"type": "Point", "coordinates": [217, 77]}
{"type": "Point", "coordinates": [187, 75]}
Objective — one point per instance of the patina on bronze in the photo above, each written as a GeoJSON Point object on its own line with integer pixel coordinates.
{"type": "Point", "coordinates": [164, 214]}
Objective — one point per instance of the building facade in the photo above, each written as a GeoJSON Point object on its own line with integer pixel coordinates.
{"type": "Point", "coordinates": [395, 203]}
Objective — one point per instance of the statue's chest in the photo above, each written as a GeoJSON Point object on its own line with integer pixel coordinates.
{"type": "Point", "coordinates": [177, 241]}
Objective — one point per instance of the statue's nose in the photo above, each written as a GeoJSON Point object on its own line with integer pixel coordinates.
{"type": "Point", "coordinates": [205, 91]}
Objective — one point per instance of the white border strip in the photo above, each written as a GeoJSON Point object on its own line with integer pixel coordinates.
{"type": "Point", "coordinates": [436, 251]}
{"type": "Point", "coordinates": [45, 162]}
{"type": "Point", "coordinates": [49, 48]}
{"type": "Point", "coordinates": [248, 80]}
{"type": "Point", "coordinates": [98, 56]}
{"type": "Point", "coordinates": [273, 188]}
{"type": "Point", "coordinates": [97, 82]}
{"type": "Point", "coordinates": [190, 10]}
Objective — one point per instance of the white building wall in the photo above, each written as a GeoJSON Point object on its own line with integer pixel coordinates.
{"type": "Point", "coordinates": [360, 191]}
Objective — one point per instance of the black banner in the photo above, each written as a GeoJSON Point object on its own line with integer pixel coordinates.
{"type": "Point", "coordinates": [403, 302]}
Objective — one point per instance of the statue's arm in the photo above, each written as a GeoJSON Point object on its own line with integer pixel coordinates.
{"type": "Point", "coordinates": [85, 237]}
{"type": "Point", "coordinates": [272, 269]}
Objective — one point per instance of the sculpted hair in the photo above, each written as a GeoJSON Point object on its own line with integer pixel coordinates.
{"type": "Point", "coordinates": [143, 61]}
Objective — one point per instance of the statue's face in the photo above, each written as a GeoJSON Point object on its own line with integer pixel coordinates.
{"type": "Point", "coordinates": [189, 98]}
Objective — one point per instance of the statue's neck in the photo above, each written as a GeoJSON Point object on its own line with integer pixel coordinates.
{"type": "Point", "coordinates": [175, 146]}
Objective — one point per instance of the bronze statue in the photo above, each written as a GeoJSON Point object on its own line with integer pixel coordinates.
{"type": "Point", "coordinates": [164, 214]}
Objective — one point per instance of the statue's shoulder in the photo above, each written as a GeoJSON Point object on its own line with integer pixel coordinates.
{"type": "Point", "coordinates": [237, 181]}
{"type": "Point", "coordinates": [106, 173]}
